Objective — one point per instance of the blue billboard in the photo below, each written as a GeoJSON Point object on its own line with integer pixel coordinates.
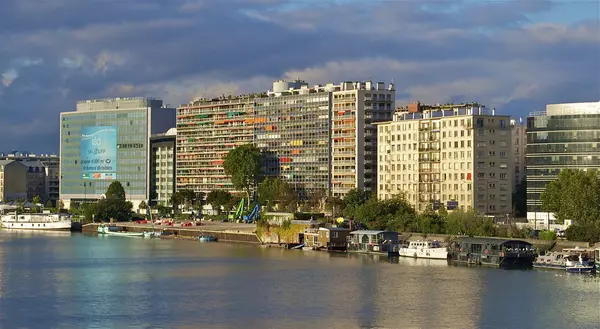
{"type": "Point", "coordinates": [98, 152]}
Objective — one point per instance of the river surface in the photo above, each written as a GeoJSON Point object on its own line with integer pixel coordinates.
{"type": "Point", "coordinates": [64, 280]}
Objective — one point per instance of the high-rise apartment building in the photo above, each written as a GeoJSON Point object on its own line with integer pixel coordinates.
{"type": "Point", "coordinates": [519, 149]}
{"type": "Point", "coordinates": [321, 139]}
{"type": "Point", "coordinates": [162, 167]}
{"type": "Point", "coordinates": [356, 106]}
{"type": "Point", "coordinates": [13, 181]}
{"type": "Point", "coordinates": [106, 140]}
{"type": "Point", "coordinates": [458, 156]}
{"type": "Point", "coordinates": [292, 128]}
{"type": "Point", "coordinates": [206, 131]}
{"type": "Point", "coordinates": [563, 136]}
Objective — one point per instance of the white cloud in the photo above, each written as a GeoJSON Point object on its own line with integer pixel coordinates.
{"type": "Point", "coordinates": [9, 76]}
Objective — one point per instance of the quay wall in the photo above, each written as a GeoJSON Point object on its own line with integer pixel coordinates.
{"type": "Point", "coordinates": [188, 232]}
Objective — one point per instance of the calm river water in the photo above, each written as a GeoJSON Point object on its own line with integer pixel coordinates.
{"type": "Point", "coordinates": [63, 280]}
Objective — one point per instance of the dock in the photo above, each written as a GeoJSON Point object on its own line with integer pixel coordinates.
{"type": "Point", "coordinates": [227, 232]}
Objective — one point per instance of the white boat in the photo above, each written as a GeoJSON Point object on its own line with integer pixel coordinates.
{"type": "Point", "coordinates": [35, 222]}
{"type": "Point", "coordinates": [104, 229]}
{"type": "Point", "coordinates": [579, 265]}
{"type": "Point", "coordinates": [424, 249]}
{"type": "Point", "coordinates": [551, 260]}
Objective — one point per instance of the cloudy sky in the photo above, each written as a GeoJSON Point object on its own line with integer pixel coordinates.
{"type": "Point", "coordinates": [515, 56]}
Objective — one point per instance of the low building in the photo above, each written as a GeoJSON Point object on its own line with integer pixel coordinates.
{"type": "Point", "coordinates": [333, 238]}
{"type": "Point", "coordinates": [492, 252]}
{"type": "Point", "coordinates": [51, 165]}
{"type": "Point", "coordinates": [162, 167]}
{"type": "Point", "coordinates": [13, 181]}
{"type": "Point", "coordinates": [373, 241]}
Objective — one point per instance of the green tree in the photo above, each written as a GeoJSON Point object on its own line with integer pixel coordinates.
{"type": "Point", "coordinates": [588, 232]}
{"type": "Point", "coordinates": [37, 199]}
{"type": "Point", "coordinates": [469, 223]}
{"type": "Point", "coordinates": [217, 199]}
{"type": "Point", "coordinates": [573, 195]}
{"type": "Point", "coordinates": [243, 165]}
{"type": "Point", "coordinates": [114, 205]}
{"type": "Point", "coordinates": [335, 206]}
{"type": "Point", "coordinates": [177, 199]}
{"type": "Point", "coordinates": [188, 198]}
{"type": "Point", "coordinates": [395, 214]}
{"type": "Point", "coordinates": [143, 206]}
{"type": "Point", "coordinates": [273, 191]}
{"type": "Point", "coordinates": [353, 200]}
{"type": "Point", "coordinates": [49, 204]}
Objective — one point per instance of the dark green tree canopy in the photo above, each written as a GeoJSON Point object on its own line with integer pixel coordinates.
{"type": "Point", "coordinates": [274, 191]}
{"type": "Point", "coordinates": [218, 198]}
{"type": "Point", "coordinates": [243, 164]}
{"type": "Point", "coordinates": [115, 190]}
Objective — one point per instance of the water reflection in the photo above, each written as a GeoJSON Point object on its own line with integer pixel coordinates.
{"type": "Point", "coordinates": [89, 281]}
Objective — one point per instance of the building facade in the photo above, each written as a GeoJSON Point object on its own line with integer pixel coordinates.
{"type": "Point", "coordinates": [292, 128]}
{"type": "Point", "coordinates": [51, 165]}
{"type": "Point", "coordinates": [519, 149]}
{"type": "Point", "coordinates": [106, 140]}
{"type": "Point", "coordinates": [564, 136]}
{"type": "Point", "coordinates": [13, 181]}
{"type": "Point", "coordinates": [162, 167]}
{"type": "Point", "coordinates": [458, 156]}
{"type": "Point", "coordinates": [36, 181]}
{"type": "Point", "coordinates": [206, 131]}
{"type": "Point", "coordinates": [321, 139]}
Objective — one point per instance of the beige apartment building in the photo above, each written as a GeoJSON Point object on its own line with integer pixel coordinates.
{"type": "Point", "coordinates": [13, 181]}
{"type": "Point", "coordinates": [458, 156]}
{"type": "Point", "coordinates": [519, 149]}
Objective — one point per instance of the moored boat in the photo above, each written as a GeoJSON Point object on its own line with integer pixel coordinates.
{"type": "Point", "coordinates": [579, 266]}
{"type": "Point", "coordinates": [424, 249]}
{"type": "Point", "coordinates": [35, 222]}
{"type": "Point", "coordinates": [551, 260]}
{"type": "Point", "coordinates": [207, 238]}
{"type": "Point", "coordinates": [108, 230]}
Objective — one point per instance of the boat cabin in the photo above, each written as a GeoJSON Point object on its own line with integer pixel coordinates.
{"type": "Point", "coordinates": [492, 252]}
{"type": "Point", "coordinates": [333, 238]}
{"type": "Point", "coordinates": [421, 244]}
{"type": "Point", "coordinates": [373, 241]}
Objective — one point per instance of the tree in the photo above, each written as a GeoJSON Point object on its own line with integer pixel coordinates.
{"type": "Point", "coordinates": [354, 199]}
{"type": "Point", "coordinates": [188, 198]}
{"type": "Point", "coordinates": [217, 199]}
{"type": "Point", "coordinates": [143, 206]}
{"type": "Point", "coordinates": [573, 195]}
{"type": "Point", "coordinates": [48, 204]}
{"type": "Point", "coordinates": [176, 201]}
{"type": "Point", "coordinates": [273, 191]}
{"type": "Point", "coordinates": [114, 205]}
{"type": "Point", "coordinates": [61, 205]}
{"type": "Point", "coordinates": [335, 205]}
{"type": "Point", "coordinates": [243, 165]}
{"type": "Point", "coordinates": [391, 214]}
{"type": "Point", "coordinates": [36, 200]}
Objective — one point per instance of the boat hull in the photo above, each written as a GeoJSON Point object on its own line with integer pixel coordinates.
{"type": "Point", "coordinates": [549, 266]}
{"type": "Point", "coordinates": [426, 253]}
{"type": "Point", "coordinates": [581, 269]}
{"type": "Point", "coordinates": [60, 225]}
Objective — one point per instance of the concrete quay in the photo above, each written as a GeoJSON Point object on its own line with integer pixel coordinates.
{"type": "Point", "coordinates": [227, 232]}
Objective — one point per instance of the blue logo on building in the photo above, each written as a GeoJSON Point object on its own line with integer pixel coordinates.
{"type": "Point", "coordinates": [98, 155]}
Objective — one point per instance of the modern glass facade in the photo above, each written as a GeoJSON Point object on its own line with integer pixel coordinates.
{"type": "Point", "coordinates": [132, 120]}
{"type": "Point", "coordinates": [565, 136]}
{"type": "Point", "coordinates": [295, 130]}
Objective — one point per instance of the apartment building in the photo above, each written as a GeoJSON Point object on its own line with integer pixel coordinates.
{"type": "Point", "coordinates": [13, 181]}
{"type": "Point", "coordinates": [36, 181]}
{"type": "Point", "coordinates": [207, 129]}
{"type": "Point", "coordinates": [162, 167]}
{"type": "Point", "coordinates": [292, 128]}
{"type": "Point", "coordinates": [458, 156]}
{"type": "Point", "coordinates": [519, 149]}
{"type": "Point", "coordinates": [51, 166]}
{"type": "Point", "coordinates": [106, 140]}
{"type": "Point", "coordinates": [321, 139]}
{"type": "Point", "coordinates": [563, 136]}
{"type": "Point", "coordinates": [356, 107]}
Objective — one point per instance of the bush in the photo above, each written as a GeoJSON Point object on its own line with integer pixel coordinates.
{"type": "Point", "coordinates": [588, 232]}
{"type": "Point", "coordinates": [547, 235]}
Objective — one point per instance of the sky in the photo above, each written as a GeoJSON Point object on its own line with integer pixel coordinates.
{"type": "Point", "coordinates": [515, 56]}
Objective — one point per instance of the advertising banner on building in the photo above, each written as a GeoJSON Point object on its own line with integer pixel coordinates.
{"type": "Point", "coordinates": [98, 152]}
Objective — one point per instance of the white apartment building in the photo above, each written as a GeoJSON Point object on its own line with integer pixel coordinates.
{"type": "Point", "coordinates": [519, 142]}
{"type": "Point", "coordinates": [162, 167]}
{"type": "Point", "coordinates": [458, 156]}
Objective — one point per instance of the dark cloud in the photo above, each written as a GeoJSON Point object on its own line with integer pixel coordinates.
{"type": "Point", "coordinates": [57, 52]}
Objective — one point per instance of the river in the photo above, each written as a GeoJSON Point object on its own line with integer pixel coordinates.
{"type": "Point", "coordinates": [64, 280]}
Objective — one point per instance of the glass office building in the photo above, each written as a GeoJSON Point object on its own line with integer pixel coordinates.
{"type": "Point", "coordinates": [564, 136]}
{"type": "Point", "coordinates": [107, 140]}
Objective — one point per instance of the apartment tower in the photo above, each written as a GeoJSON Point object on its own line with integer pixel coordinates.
{"type": "Point", "coordinates": [458, 156]}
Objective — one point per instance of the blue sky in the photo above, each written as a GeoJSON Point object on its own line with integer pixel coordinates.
{"type": "Point", "coordinates": [515, 56]}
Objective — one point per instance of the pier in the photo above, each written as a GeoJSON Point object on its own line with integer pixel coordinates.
{"type": "Point", "coordinates": [228, 232]}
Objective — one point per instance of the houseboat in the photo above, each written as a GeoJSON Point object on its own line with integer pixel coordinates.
{"type": "Point", "coordinates": [424, 249]}
{"type": "Point", "coordinates": [496, 252]}
{"type": "Point", "coordinates": [27, 221]}
{"type": "Point", "coordinates": [551, 260]}
{"type": "Point", "coordinates": [323, 238]}
{"type": "Point", "coordinates": [369, 241]}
